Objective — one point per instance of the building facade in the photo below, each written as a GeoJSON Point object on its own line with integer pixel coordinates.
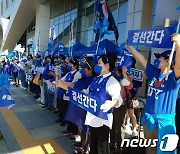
{"type": "Point", "coordinates": [27, 22]}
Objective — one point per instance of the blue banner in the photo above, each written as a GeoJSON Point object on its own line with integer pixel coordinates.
{"type": "Point", "coordinates": [124, 60]}
{"type": "Point", "coordinates": [155, 37]}
{"type": "Point", "coordinates": [39, 70]}
{"type": "Point", "coordinates": [87, 102]}
{"type": "Point", "coordinates": [51, 87]}
{"type": "Point", "coordinates": [5, 98]}
{"type": "Point", "coordinates": [136, 74]}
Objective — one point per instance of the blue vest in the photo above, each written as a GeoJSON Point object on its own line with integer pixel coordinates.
{"type": "Point", "coordinates": [99, 89]}
{"type": "Point", "coordinates": [69, 78]}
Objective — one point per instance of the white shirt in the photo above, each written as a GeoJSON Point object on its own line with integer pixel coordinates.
{"type": "Point", "coordinates": [114, 90]}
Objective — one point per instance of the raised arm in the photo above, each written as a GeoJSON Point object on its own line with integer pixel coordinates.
{"type": "Point", "coordinates": [176, 39]}
{"type": "Point", "coordinates": [138, 56]}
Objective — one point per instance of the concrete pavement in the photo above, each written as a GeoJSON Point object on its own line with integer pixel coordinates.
{"type": "Point", "coordinates": [39, 122]}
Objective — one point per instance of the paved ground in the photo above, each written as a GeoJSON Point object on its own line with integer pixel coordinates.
{"type": "Point", "coordinates": [39, 122]}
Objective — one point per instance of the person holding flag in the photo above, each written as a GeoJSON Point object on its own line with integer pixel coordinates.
{"type": "Point", "coordinates": [159, 116]}
{"type": "Point", "coordinates": [104, 22]}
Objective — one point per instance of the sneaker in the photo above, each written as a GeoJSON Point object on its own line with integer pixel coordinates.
{"type": "Point", "coordinates": [78, 138]}
{"type": "Point", "coordinates": [134, 133]}
{"type": "Point", "coordinates": [73, 137]}
{"type": "Point", "coordinates": [48, 109]}
{"type": "Point", "coordinates": [79, 150]}
{"type": "Point", "coordinates": [66, 132]}
{"type": "Point", "coordinates": [127, 129]}
{"type": "Point", "coordinates": [38, 100]}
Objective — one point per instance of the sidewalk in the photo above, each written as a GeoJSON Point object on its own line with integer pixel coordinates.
{"type": "Point", "coordinates": [39, 122]}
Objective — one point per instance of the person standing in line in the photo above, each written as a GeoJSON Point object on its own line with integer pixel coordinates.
{"type": "Point", "coordinates": [69, 79]}
{"type": "Point", "coordinates": [106, 87]}
{"type": "Point", "coordinates": [159, 115]}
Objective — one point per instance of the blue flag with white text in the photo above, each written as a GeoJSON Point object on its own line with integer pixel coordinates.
{"type": "Point", "coordinates": [6, 99]}
{"type": "Point", "coordinates": [87, 102]}
{"type": "Point", "coordinates": [152, 38]}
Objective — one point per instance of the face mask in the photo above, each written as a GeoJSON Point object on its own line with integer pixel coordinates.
{"type": "Point", "coordinates": [69, 68]}
{"type": "Point", "coordinates": [98, 69]}
{"type": "Point", "coordinates": [157, 63]}
{"type": "Point", "coordinates": [83, 72]}
{"type": "Point", "coordinates": [47, 61]}
{"type": "Point", "coordinates": [63, 67]}
{"type": "Point", "coordinates": [55, 61]}
{"type": "Point", "coordinates": [58, 61]}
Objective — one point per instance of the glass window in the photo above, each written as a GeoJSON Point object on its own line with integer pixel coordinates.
{"type": "Point", "coordinates": [122, 12]}
{"type": "Point", "coordinates": [60, 28]}
{"type": "Point", "coordinates": [67, 18]}
{"type": "Point", "coordinates": [82, 11]}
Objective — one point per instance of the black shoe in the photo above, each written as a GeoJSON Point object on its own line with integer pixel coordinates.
{"type": "Point", "coordinates": [36, 97]}
{"type": "Point", "coordinates": [48, 109]}
{"type": "Point", "coordinates": [78, 145]}
{"type": "Point", "coordinates": [58, 120]}
{"type": "Point", "coordinates": [43, 106]}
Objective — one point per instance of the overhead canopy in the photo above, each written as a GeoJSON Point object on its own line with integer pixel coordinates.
{"type": "Point", "coordinates": [76, 49]}
{"type": "Point", "coordinates": [79, 49]}
{"type": "Point", "coordinates": [105, 45]}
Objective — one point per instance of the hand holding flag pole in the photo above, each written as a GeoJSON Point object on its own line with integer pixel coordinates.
{"type": "Point", "coordinates": [172, 52]}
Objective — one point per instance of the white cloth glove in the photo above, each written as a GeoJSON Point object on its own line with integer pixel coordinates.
{"type": "Point", "coordinates": [107, 106]}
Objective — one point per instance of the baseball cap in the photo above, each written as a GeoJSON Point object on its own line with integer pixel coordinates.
{"type": "Point", "coordinates": [165, 54]}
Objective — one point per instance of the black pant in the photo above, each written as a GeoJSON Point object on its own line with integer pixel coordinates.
{"type": "Point", "coordinates": [118, 119]}
{"type": "Point", "coordinates": [16, 78]}
{"type": "Point", "coordinates": [177, 119]}
{"type": "Point", "coordinates": [72, 128]}
{"type": "Point", "coordinates": [99, 136]}
{"type": "Point", "coordinates": [63, 108]}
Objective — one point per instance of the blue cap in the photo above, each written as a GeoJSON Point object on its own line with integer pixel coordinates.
{"type": "Point", "coordinates": [165, 54]}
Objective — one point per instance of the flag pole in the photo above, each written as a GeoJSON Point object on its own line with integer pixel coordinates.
{"type": "Point", "coordinates": [172, 51]}
{"type": "Point", "coordinates": [72, 37]}
{"type": "Point", "coordinates": [98, 45]}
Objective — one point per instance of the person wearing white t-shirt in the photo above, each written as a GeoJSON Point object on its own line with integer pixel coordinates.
{"type": "Point", "coordinates": [107, 88]}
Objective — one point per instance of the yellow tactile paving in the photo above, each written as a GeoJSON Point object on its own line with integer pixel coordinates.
{"type": "Point", "coordinates": [27, 142]}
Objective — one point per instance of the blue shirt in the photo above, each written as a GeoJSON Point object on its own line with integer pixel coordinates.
{"type": "Point", "coordinates": [162, 95]}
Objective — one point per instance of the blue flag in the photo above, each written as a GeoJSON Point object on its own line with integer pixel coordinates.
{"type": "Point", "coordinates": [136, 74]}
{"type": "Point", "coordinates": [5, 98]}
{"type": "Point", "coordinates": [155, 37]}
{"type": "Point", "coordinates": [87, 102]}
{"type": "Point", "coordinates": [104, 23]}
{"type": "Point", "coordinates": [124, 60]}
{"type": "Point", "coordinates": [178, 8]}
